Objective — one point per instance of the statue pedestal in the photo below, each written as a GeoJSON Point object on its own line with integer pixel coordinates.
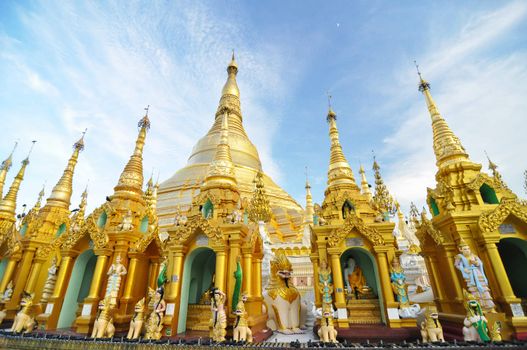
{"type": "Point", "coordinates": [198, 317]}
{"type": "Point", "coordinates": [364, 311]}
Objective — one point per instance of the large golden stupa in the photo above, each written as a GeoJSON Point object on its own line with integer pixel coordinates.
{"type": "Point", "coordinates": [176, 193]}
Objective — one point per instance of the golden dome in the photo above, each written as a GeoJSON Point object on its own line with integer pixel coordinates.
{"type": "Point", "coordinates": [178, 190]}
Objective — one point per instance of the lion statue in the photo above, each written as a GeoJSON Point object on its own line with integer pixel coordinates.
{"type": "Point", "coordinates": [429, 326]}
{"type": "Point", "coordinates": [136, 324]}
{"type": "Point", "coordinates": [25, 318]}
{"type": "Point", "coordinates": [327, 332]}
{"type": "Point", "coordinates": [283, 297]}
{"type": "Point", "coordinates": [242, 331]}
{"type": "Point", "coordinates": [103, 326]}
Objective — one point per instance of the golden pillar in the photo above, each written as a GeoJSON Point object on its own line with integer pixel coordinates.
{"type": "Point", "coordinates": [318, 297]}
{"type": "Point", "coordinates": [98, 276]}
{"type": "Point", "coordinates": [61, 286]}
{"type": "Point", "coordinates": [340, 299]}
{"type": "Point", "coordinates": [221, 269]}
{"type": "Point", "coordinates": [432, 269]}
{"type": "Point", "coordinates": [8, 274]}
{"type": "Point", "coordinates": [386, 283]}
{"type": "Point", "coordinates": [247, 285]}
{"type": "Point", "coordinates": [152, 273]}
{"type": "Point", "coordinates": [174, 284]}
{"type": "Point", "coordinates": [499, 271]}
{"type": "Point", "coordinates": [33, 275]}
{"type": "Point", "coordinates": [257, 277]}
{"type": "Point", "coordinates": [127, 300]}
{"type": "Point", "coordinates": [21, 277]}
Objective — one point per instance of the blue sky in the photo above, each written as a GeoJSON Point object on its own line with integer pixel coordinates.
{"type": "Point", "coordinates": [66, 66]}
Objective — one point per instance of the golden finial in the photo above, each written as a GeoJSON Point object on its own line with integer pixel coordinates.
{"type": "Point", "coordinates": [307, 179]}
{"type": "Point", "coordinates": [331, 113]}
{"type": "Point", "coordinates": [8, 203]}
{"type": "Point", "coordinates": [423, 84]}
{"type": "Point", "coordinates": [6, 164]}
{"type": "Point", "coordinates": [492, 165]}
{"type": "Point", "coordinates": [145, 121]}
{"type": "Point", "coordinates": [382, 199]}
{"type": "Point", "coordinates": [259, 209]}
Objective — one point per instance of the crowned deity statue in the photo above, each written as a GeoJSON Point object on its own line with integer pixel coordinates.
{"type": "Point", "coordinates": [126, 224]}
{"type": "Point", "coordinates": [355, 281]}
{"type": "Point", "coordinates": [325, 282]}
{"type": "Point", "coordinates": [115, 273]}
{"type": "Point", "coordinates": [154, 324]}
{"type": "Point", "coordinates": [471, 268]}
{"type": "Point", "coordinates": [49, 286]}
{"type": "Point", "coordinates": [181, 218]}
{"type": "Point", "coordinates": [218, 321]}
{"type": "Point", "coordinates": [399, 287]}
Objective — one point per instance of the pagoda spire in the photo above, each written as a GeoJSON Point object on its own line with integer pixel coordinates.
{"type": "Point", "coordinates": [8, 203]}
{"type": "Point", "coordinates": [339, 169]}
{"type": "Point", "coordinates": [447, 146]}
{"type": "Point", "coordinates": [4, 168]}
{"type": "Point", "coordinates": [382, 199]}
{"type": "Point", "coordinates": [230, 94]}
{"type": "Point", "coordinates": [310, 210]}
{"type": "Point", "coordinates": [221, 169]}
{"type": "Point", "coordinates": [61, 193]}
{"type": "Point", "coordinates": [365, 186]}
{"type": "Point", "coordinates": [131, 179]}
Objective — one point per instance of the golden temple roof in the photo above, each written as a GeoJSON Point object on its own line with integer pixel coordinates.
{"type": "Point", "coordinates": [4, 169]}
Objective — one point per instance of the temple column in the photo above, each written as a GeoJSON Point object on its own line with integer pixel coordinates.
{"type": "Point", "coordinates": [386, 284]}
{"type": "Point", "coordinates": [21, 277]}
{"type": "Point", "coordinates": [318, 297]}
{"type": "Point", "coordinates": [450, 254]}
{"type": "Point", "coordinates": [340, 299]}
{"type": "Point", "coordinates": [500, 272]}
{"type": "Point", "coordinates": [257, 277]}
{"type": "Point", "coordinates": [127, 300]}
{"type": "Point", "coordinates": [247, 274]}
{"type": "Point", "coordinates": [54, 306]}
{"type": "Point", "coordinates": [8, 274]}
{"type": "Point", "coordinates": [33, 275]}
{"type": "Point", "coordinates": [173, 297]}
{"type": "Point", "coordinates": [434, 273]}
{"type": "Point", "coordinates": [152, 274]}
{"type": "Point", "coordinates": [221, 269]}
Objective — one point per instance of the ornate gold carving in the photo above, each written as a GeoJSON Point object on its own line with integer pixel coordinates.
{"type": "Point", "coordinates": [425, 227]}
{"type": "Point", "coordinates": [490, 220]}
{"type": "Point", "coordinates": [182, 233]}
{"type": "Point", "coordinates": [354, 222]}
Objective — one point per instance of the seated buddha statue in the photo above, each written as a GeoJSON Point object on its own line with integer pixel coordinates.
{"type": "Point", "coordinates": [355, 281]}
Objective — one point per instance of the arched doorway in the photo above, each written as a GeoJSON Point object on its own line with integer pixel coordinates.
{"type": "Point", "coordinates": [78, 287]}
{"type": "Point", "coordinates": [198, 272]}
{"type": "Point", "coordinates": [513, 252]}
{"type": "Point", "coordinates": [363, 308]}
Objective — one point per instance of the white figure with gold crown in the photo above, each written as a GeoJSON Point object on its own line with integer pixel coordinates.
{"type": "Point", "coordinates": [115, 273]}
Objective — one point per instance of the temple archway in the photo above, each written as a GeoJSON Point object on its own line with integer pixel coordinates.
{"type": "Point", "coordinates": [78, 287]}
{"type": "Point", "coordinates": [198, 272]}
{"type": "Point", "coordinates": [513, 252]}
{"type": "Point", "coordinates": [371, 295]}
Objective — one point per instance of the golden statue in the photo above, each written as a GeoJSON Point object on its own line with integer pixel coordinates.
{"type": "Point", "coordinates": [136, 323]}
{"type": "Point", "coordinates": [25, 318]}
{"type": "Point", "coordinates": [242, 331]}
{"type": "Point", "coordinates": [126, 224]}
{"type": "Point", "coordinates": [103, 326]}
{"type": "Point", "coordinates": [49, 286]}
{"type": "Point", "coordinates": [154, 324]}
{"type": "Point", "coordinates": [218, 321]}
{"type": "Point", "coordinates": [115, 273]}
{"type": "Point", "coordinates": [285, 298]}
{"type": "Point", "coordinates": [428, 324]}
{"type": "Point", "coordinates": [355, 281]}
{"type": "Point", "coordinates": [495, 332]}
{"type": "Point", "coordinates": [471, 268]}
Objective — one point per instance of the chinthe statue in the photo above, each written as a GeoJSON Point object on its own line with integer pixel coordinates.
{"type": "Point", "coordinates": [475, 327]}
{"type": "Point", "coordinates": [154, 324]}
{"type": "Point", "coordinates": [241, 329]}
{"type": "Point", "coordinates": [25, 318]}
{"type": "Point", "coordinates": [49, 286]}
{"type": "Point", "coordinates": [327, 332]}
{"type": "Point", "coordinates": [136, 323]}
{"type": "Point", "coordinates": [284, 298]}
{"type": "Point", "coordinates": [218, 321]}
{"type": "Point", "coordinates": [103, 326]}
{"type": "Point", "coordinates": [429, 325]}
{"type": "Point", "coordinates": [471, 268]}
{"type": "Point", "coordinates": [115, 273]}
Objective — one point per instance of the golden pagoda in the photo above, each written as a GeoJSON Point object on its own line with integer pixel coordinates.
{"type": "Point", "coordinates": [476, 239]}
{"type": "Point", "coordinates": [353, 235]}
